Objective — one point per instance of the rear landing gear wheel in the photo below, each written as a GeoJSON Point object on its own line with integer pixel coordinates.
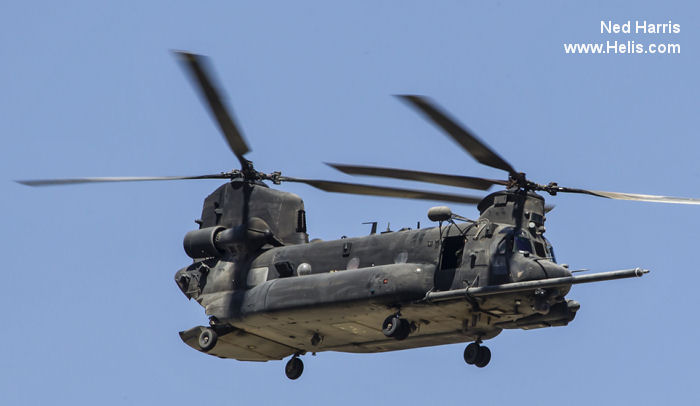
{"type": "Point", "coordinates": [207, 339]}
{"type": "Point", "coordinates": [478, 355]}
{"type": "Point", "coordinates": [396, 327]}
{"type": "Point", "coordinates": [294, 368]}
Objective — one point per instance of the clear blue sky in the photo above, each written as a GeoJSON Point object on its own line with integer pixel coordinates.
{"type": "Point", "coordinates": [89, 307]}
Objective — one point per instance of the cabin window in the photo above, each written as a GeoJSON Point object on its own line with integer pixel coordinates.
{"type": "Point", "coordinates": [284, 269]}
{"type": "Point", "coordinates": [301, 221]}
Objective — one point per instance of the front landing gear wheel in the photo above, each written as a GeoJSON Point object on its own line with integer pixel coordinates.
{"type": "Point", "coordinates": [477, 355]}
{"type": "Point", "coordinates": [294, 368]}
{"type": "Point", "coordinates": [471, 353]}
{"type": "Point", "coordinates": [484, 357]}
{"type": "Point", "coordinates": [207, 339]}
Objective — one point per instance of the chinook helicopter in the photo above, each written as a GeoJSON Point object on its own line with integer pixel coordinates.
{"type": "Point", "coordinates": [270, 293]}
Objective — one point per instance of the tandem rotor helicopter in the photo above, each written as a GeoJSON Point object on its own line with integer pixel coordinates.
{"type": "Point", "coordinates": [270, 293]}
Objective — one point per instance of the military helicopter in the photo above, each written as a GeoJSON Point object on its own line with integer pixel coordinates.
{"type": "Point", "coordinates": [270, 293]}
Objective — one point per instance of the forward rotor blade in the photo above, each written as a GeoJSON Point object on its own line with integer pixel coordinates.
{"type": "Point", "coordinates": [429, 177]}
{"type": "Point", "coordinates": [61, 182]}
{"type": "Point", "coordinates": [468, 140]}
{"type": "Point", "coordinates": [196, 66]}
{"type": "Point", "coordinates": [358, 189]}
{"type": "Point", "coordinates": [633, 196]}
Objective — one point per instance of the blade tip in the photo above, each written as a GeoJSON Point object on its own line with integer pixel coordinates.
{"type": "Point", "coordinates": [410, 97]}
{"type": "Point", "coordinates": [179, 54]}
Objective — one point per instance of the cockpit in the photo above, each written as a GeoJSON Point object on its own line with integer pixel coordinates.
{"type": "Point", "coordinates": [520, 241]}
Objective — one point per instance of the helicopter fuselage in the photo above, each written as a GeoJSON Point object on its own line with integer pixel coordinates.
{"type": "Point", "coordinates": [334, 295]}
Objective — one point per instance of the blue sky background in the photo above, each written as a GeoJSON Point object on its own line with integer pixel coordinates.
{"type": "Point", "coordinates": [89, 307]}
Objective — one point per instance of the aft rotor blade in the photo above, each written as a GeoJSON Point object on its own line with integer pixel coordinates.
{"type": "Point", "coordinates": [358, 189]}
{"type": "Point", "coordinates": [633, 196]}
{"type": "Point", "coordinates": [75, 181]}
{"type": "Point", "coordinates": [196, 66]}
{"type": "Point", "coordinates": [429, 177]}
{"type": "Point", "coordinates": [468, 140]}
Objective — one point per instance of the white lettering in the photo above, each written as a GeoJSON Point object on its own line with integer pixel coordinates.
{"type": "Point", "coordinates": [608, 27]}
{"type": "Point", "coordinates": [626, 27]}
{"type": "Point", "coordinates": [641, 27]}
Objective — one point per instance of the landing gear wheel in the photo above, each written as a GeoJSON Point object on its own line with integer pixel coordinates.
{"type": "Point", "coordinates": [471, 353]}
{"type": "Point", "coordinates": [396, 327]}
{"type": "Point", "coordinates": [294, 368]}
{"type": "Point", "coordinates": [391, 326]}
{"type": "Point", "coordinates": [404, 329]}
{"type": "Point", "coordinates": [207, 339]}
{"type": "Point", "coordinates": [483, 358]}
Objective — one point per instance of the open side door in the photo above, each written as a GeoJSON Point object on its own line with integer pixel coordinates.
{"type": "Point", "coordinates": [451, 253]}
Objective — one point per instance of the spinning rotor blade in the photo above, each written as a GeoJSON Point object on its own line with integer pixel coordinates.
{"type": "Point", "coordinates": [429, 177]}
{"type": "Point", "coordinates": [60, 182]}
{"type": "Point", "coordinates": [632, 196]}
{"type": "Point", "coordinates": [358, 189]}
{"type": "Point", "coordinates": [483, 154]}
{"type": "Point", "coordinates": [196, 67]}
{"type": "Point", "coordinates": [470, 142]}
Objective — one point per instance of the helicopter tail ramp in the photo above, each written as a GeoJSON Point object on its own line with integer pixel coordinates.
{"type": "Point", "coordinates": [239, 345]}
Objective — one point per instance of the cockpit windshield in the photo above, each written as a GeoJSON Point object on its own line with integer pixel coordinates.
{"type": "Point", "coordinates": [539, 249]}
{"type": "Point", "coordinates": [521, 242]}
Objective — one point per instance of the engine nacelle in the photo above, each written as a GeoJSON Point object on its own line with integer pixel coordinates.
{"type": "Point", "coordinates": [212, 242]}
{"type": "Point", "coordinates": [202, 243]}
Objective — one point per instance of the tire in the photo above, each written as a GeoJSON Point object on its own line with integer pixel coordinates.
{"type": "Point", "coordinates": [471, 353]}
{"type": "Point", "coordinates": [294, 368]}
{"type": "Point", "coordinates": [404, 329]}
{"type": "Point", "coordinates": [484, 357]}
{"type": "Point", "coordinates": [207, 339]}
{"type": "Point", "coordinates": [391, 326]}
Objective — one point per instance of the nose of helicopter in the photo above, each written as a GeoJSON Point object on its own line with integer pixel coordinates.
{"type": "Point", "coordinates": [530, 268]}
{"type": "Point", "coordinates": [553, 270]}
{"type": "Point", "coordinates": [183, 280]}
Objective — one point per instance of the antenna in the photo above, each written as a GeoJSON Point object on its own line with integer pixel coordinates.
{"type": "Point", "coordinates": [374, 227]}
